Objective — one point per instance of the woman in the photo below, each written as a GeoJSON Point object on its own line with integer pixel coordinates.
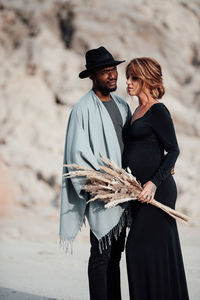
{"type": "Point", "coordinates": [154, 259]}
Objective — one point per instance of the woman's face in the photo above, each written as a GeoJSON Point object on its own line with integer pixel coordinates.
{"type": "Point", "coordinates": [133, 85]}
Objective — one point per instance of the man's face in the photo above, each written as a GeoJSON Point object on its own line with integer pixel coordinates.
{"type": "Point", "coordinates": [105, 79]}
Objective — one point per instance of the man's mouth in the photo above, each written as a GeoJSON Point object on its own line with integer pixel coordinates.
{"type": "Point", "coordinates": [113, 82]}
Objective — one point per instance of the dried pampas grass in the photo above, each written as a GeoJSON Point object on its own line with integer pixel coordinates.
{"type": "Point", "coordinates": [114, 185]}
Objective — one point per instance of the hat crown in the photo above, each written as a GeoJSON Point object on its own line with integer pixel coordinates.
{"type": "Point", "coordinates": [97, 56]}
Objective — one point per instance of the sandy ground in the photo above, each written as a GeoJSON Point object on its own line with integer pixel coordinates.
{"type": "Point", "coordinates": [33, 266]}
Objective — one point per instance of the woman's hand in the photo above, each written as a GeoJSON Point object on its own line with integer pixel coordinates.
{"type": "Point", "coordinates": [148, 192]}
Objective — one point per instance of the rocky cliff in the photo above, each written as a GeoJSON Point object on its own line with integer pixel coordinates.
{"type": "Point", "coordinates": [42, 46]}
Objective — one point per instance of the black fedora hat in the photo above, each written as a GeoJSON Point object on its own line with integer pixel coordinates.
{"type": "Point", "coordinates": [98, 58]}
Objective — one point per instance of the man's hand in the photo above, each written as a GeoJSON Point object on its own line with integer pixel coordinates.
{"type": "Point", "coordinates": [173, 170]}
{"type": "Point", "coordinates": [148, 192]}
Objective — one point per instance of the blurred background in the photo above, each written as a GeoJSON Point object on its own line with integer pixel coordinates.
{"type": "Point", "coordinates": [42, 51]}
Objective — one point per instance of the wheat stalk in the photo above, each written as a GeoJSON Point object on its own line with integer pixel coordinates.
{"type": "Point", "coordinates": [114, 185]}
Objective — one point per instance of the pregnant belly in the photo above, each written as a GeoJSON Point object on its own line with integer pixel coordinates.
{"type": "Point", "coordinates": [143, 159]}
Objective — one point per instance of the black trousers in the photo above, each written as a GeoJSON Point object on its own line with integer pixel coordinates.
{"type": "Point", "coordinates": [104, 269]}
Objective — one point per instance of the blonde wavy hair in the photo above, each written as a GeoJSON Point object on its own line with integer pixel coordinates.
{"type": "Point", "coordinates": [149, 72]}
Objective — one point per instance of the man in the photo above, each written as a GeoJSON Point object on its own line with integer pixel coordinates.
{"type": "Point", "coordinates": [94, 128]}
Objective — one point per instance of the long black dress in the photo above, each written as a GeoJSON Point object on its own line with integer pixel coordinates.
{"type": "Point", "coordinates": [153, 253]}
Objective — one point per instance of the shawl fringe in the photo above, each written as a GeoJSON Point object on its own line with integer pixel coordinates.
{"type": "Point", "coordinates": [106, 240]}
{"type": "Point", "coordinates": [66, 245]}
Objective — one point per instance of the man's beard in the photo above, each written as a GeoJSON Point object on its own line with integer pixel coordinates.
{"type": "Point", "coordinates": [105, 90]}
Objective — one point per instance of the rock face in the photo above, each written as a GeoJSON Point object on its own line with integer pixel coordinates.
{"type": "Point", "coordinates": [42, 46]}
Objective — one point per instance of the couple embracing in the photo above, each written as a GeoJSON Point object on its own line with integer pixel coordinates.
{"type": "Point", "coordinates": [145, 141]}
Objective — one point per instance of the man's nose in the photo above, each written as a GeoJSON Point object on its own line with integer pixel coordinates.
{"type": "Point", "coordinates": [112, 74]}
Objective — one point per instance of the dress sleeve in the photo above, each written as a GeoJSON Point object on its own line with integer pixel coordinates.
{"type": "Point", "coordinates": [163, 127]}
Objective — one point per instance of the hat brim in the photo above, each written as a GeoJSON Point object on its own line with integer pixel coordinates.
{"type": "Point", "coordinates": [85, 73]}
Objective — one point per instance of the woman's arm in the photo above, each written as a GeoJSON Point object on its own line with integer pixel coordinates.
{"type": "Point", "coordinates": [163, 127]}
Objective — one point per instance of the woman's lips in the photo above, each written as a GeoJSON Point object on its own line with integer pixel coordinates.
{"type": "Point", "coordinates": [129, 89]}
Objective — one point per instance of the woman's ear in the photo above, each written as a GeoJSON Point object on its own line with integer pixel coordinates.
{"type": "Point", "coordinates": [145, 87]}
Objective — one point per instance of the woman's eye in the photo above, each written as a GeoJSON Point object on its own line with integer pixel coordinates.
{"type": "Point", "coordinates": [134, 78]}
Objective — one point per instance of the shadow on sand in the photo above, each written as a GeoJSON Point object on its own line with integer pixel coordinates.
{"type": "Point", "coordinates": [10, 294]}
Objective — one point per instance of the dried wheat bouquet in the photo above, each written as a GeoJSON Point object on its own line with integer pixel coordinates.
{"type": "Point", "coordinates": [114, 185]}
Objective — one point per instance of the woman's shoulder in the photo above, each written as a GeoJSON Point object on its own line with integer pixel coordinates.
{"type": "Point", "coordinates": [160, 116]}
{"type": "Point", "coordinates": [160, 108]}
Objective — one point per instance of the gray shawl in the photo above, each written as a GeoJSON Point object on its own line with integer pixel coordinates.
{"type": "Point", "coordinates": [90, 132]}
